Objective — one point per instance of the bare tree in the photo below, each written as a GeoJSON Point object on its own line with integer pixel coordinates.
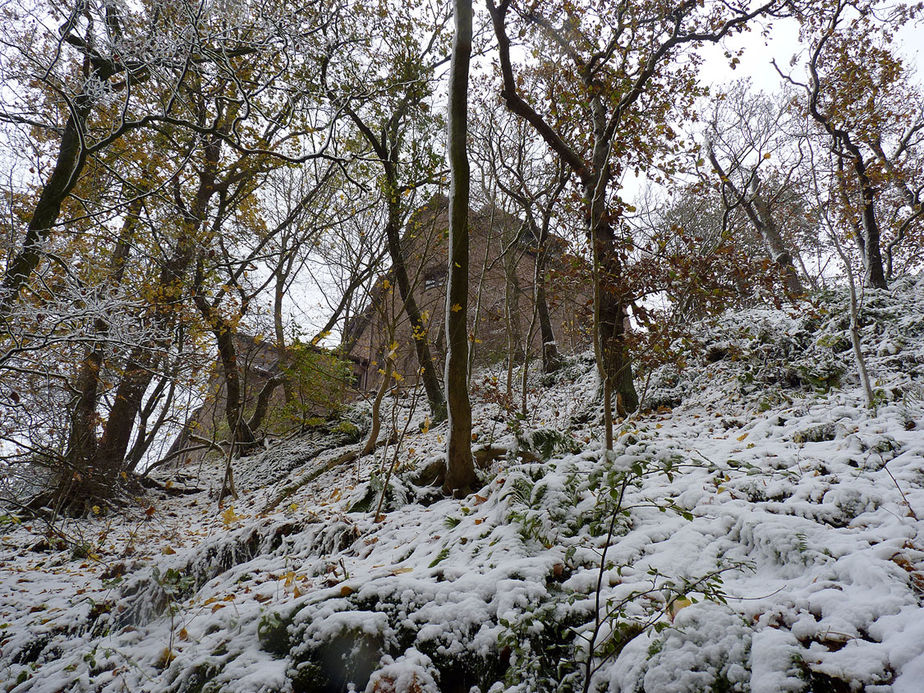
{"type": "Point", "coordinates": [751, 154]}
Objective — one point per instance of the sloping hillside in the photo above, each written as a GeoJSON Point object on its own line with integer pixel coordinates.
{"type": "Point", "coordinates": [756, 532]}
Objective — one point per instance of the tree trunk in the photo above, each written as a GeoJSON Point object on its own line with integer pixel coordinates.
{"type": "Point", "coordinates": [845, 147]}
{"type": "Point", "coordinates": [68, 166]}
{"type": "Point", "coordinates": [241, 435]}
{"type": "Point", "coordinates": [460, 468]}
{"type": "Point", "coordinates": [377, 406]}
{"type": "Point", "coordinates": [758, 212]}
{"type": "Point", "coordinates": [611, 304]}
{"type": "Point", "coordinates": [139, 371]}
{"type": "Point", "coordinates": [515, 352]}
{"type": "Point", "coordinates": [82, 441]}
{"type": "Point", "coordinates": [431, 380]}
{"type": "Point", "coordinates": [616, 360]}
{"type": "Point", "coordinates": [872, 254]}
{"type": "Point", "coordinates": [551, 361]}
{"type": "Point", "coordinates": [773, 241]}
{"type": "Point", "coordinates": [278, 328]}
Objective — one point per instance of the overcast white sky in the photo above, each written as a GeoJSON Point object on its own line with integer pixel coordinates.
{"type": "Point", "coordinates": [782, 44]}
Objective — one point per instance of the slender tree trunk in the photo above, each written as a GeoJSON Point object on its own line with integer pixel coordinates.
{"type": "Point", "coordinates": [551, 361]}
{"type": "Point", "coordinates": [511, 315]}
{"type": "Point", "coordinates": [278, 328]}
{"type": "Point", "coordinates": [431, 380]}
{"type": "Point", "coordinates": [869, 237]}
{"type": "Point", "coordinates": [377, 407]}
{"type": "Point", "coordinates": [758, 212]}
{"type": "Point", "coordinates": [855, 326]}
{"type": "Point", "coordinates": [773, 241]}
{"type": "Point", "coordinates": [872, 254]}
{"type": "Point", "coordinates": [224, 333]}
{"type": "Point", "coordinates": [476, 320]}
{"type": "Point", "coordinates": [611, 304]}
{"type": "Point", "coordinates": [460, 469]}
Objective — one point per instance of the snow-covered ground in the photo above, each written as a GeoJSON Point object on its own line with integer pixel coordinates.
{"type": "Point", "coordinates": [759, 527]}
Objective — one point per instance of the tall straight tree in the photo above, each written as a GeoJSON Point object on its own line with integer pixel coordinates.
{"type": "Point", "coordinates": [460, 470]}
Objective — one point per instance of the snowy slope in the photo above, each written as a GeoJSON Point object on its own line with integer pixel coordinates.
{"type": "Point", "coordinates": [765, 539]}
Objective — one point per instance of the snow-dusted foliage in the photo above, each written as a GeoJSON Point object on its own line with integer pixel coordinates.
{"type": "Point", "coordinates": [759, 527]}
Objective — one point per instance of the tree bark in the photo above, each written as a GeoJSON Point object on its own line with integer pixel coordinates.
{"type": "Point", "coordinates": [551, 360]}
{"type": "Point", "coordinates": [872, 253]}
{"type": "Point", "coordinates": [773, 241]}
{"type": "Point", "coordinates": [845, 147]}
{"type": "Point", "coordinates": [241, 436]}
{"type": "Point", "coordinates": [68, 166]}
{"type": "Point", "coordinates": [460, 467]}
{"type": "Point", "coordinates": [617, 363]}
{"type": "Point", "coordinates": [616, 368]}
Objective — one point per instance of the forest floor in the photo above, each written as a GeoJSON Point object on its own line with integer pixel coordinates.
{"type": "Point", "coordinates": [759, 524]}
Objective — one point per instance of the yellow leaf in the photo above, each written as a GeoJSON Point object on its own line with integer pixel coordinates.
{"type": "Point", "coordinates": [742, 436]}
{"type": "Point", "coordinates": [675, 606]}
{"type": "Point", "coordinates": [293, 507]}
{"type": "Point", "coordinates": [167, 551]}
{"type": "Point", "coordinates": [95, 510]}
{"type": "Point", "coordinates": [289, 578]}
{"type": "Point", "coordinates": [399, 571]}
{"type": "Point", "coordinates": [229, 516]}
{"type": "Point", "coordinates": [183, 635]}
{"type": "Point", "coordinates": [456, 308]}
{"type": "Point", "coordinates": [296, 592]}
